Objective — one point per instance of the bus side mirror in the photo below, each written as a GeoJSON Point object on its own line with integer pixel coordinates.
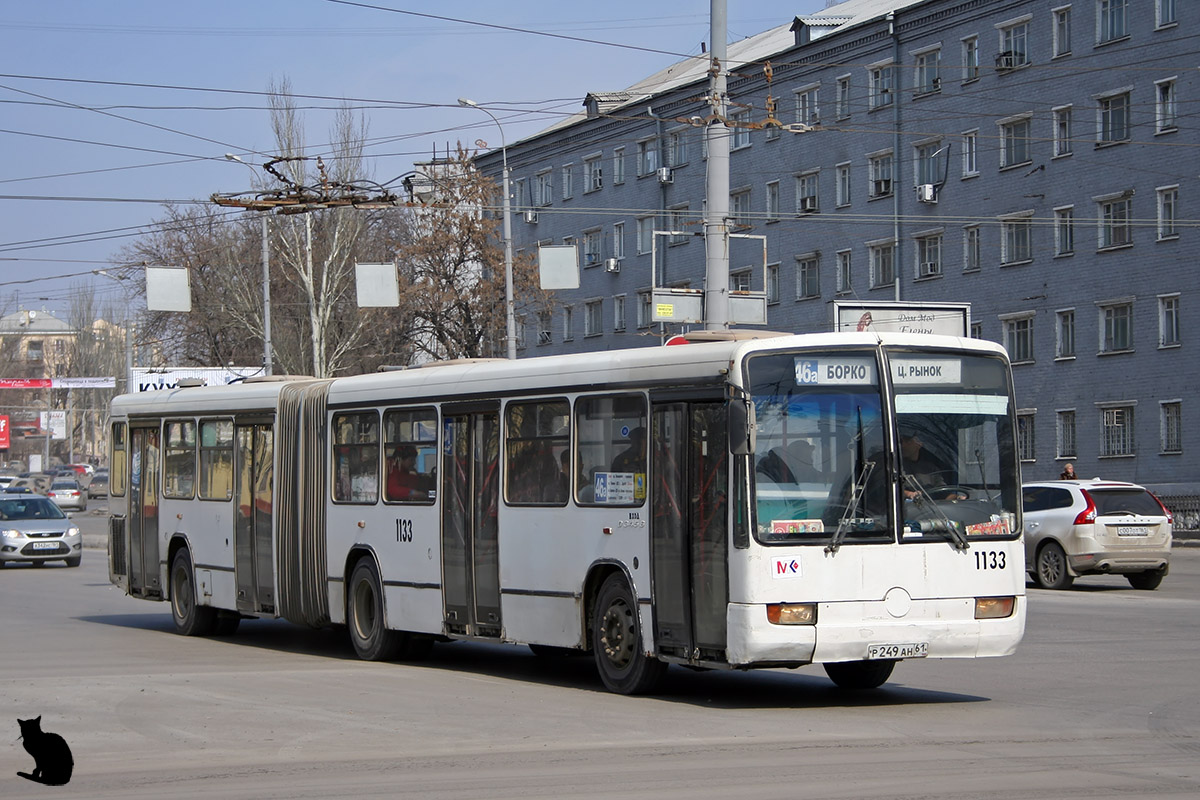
{"type": "Point", "coordinates": [742, 433]}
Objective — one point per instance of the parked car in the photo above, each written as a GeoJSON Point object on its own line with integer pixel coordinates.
{"type": "Point", "coordinates": [1090, 527]}
{"type": "Point", "coordinates": [35, 530]}
{"type": "Point", "coordinates": [98, 486]}
{"type": "Point", "coordinates": [67, 494]}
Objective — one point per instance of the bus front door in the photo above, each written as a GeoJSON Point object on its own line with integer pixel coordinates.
{"type": "Point", "coordinates": [144, 575]}
{"type": "Point", "coordinates": [470, 498]}
{"type": "Point", "coordinates": [253, 554]}
{"type": "Point", "coordinates": [689, 529]}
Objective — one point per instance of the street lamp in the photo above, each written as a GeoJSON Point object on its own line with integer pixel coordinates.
{"type": "Point", "coordinates": [266, 280]}
{"type": "Point", "coordinates": [510, 321]}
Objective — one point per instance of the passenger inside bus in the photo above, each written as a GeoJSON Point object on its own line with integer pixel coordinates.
{"type": "Point", "coordinates": [632, 459]}
{"type": "Point", "coordinates": [403, 479]}
{"type": "Point", "coordinates": [790, 464]}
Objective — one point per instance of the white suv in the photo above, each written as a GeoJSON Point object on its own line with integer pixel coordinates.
{"type": "Point", "coordinates": [1093, 527]}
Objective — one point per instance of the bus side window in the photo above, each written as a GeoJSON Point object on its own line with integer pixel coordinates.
{"type": "Point", "coordinates": [356, 457]}
{"type": "Point", "coordinates": [537, 436]}
{"type": "Point", "coordinates": [611, 450]}
{"type": "Point", "coordinates": [179, 462]}
{"type": "Point", "coordinates": [216, 459]}
{"type": "Point", "coordinates": [410, 455]}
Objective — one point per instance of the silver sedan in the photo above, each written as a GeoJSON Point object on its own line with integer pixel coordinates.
{"type": "Point", "coordinates": [35, 530]}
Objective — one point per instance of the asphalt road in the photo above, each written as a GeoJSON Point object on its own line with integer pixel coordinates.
{"type": "Point", "coordinates": [1101, 700]}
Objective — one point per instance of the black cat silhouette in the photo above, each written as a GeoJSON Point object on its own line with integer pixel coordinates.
{"type": "Point", "coordinates": [52, 758]}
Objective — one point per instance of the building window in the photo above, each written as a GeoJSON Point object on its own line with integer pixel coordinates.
{"type": "Point", "coordinates": [1026, 445]}
{"type": "Point", "coordinates": [807, 199]}
{"type": "Point", "coordinates": [1168, 210]}
{"type": "Point", "coordinates": [1164, 106]}
{"type": "Point", "coordinates": [970, 58]}
{"type": "Point", "coordinates": [1064, 346]}
{"type": "Point", "coordinates": [1017, 245]}
{"type": "Point", "coordinates": [883, 264]}
{"type": "Point", "coordinates": [544, 334]}
{"type": "Point", "coordinates": [593, 318]}
{"type": "Point", "coordinates": [1064, 445]}
{"type": "Point", "coordinates": [645, 234]}
{"type": "Point", "coordinates": [772, 201]}
{"type": "Point", "coordinates": [1116, 327]}
{"type": "Point", "coordinates": [739, 281]}
{"type": "Point", "coordinates": [925, 157]}
{"type": "Point", "coordinates": [843, 272]}
{"type": "Point", "coordinates": [1114, 119]}
{"type": "Point", "coordinates": [1172, 426]}
{"type": "Point", "coordinates": [1018, 338]}
{"type": "Point", "coordinates": [843, 184]}
{"type": "Point", "coordinates": [1062, 131]}
{"type": "Point", "coordinates": [879, 168]}
{"type": "Point", "coordinates": [543, 188]}
{"type": "Point", "coordinates": [568, 181]}
{"type": "Point", "coordinates": [927, 76]}
{"type": "Point", "coordinates": [1064, 231]}
{"type": "Point", "coordinates": [1115, 222]}
{"type": "Point", "coordinates": [1165, 13]}
{"type": "Point", "coordinates": [1116, 431]}
{"type": "Point", "coordinates": [1111, 20]}
{"type": "Point", "coordinates": [618, 249]}
{"type": "Point", "coordinates": [647, 155]}
{"type": "Point", "coordinates": [592, 247]}
{"type": "Point", "coordinates": [1062, 31]}
{"type": "Point", "coordinates": [1014, 45]}
{"type": "Point", "coordinates": [970, 153]}
{"type": "Point", "coordinates": [929, 256]}
{"type": "Point", "coordinates": [677, 154]}
{"type": "Point", "coordinates": [645, 315]}
{"type": "Point", "coordinates": [976, 330]}
{"type": "Point", "coordinates": [34, 350]}
{"type": "Point", "coordinates": [1015, 142]}
{"type": "Point", "coordinates": [881, 85]}
{"type": "Point", "coordinates": [808, 278]}
{"type": "Point", "coordinates": [807, 112]}
{"type": "Point", "coordinates": [772, 287]}
{"type": "Point", "coordinates": [677, 220]}
{"type": "Point", "coordinates": [619, 313]}
{"type": "Point", "coordinates": [618, 166]}
{"type": "Point", "coordinates": [568, 323]}
{"type": "Point", "coordinates": [842, 105]}
{"type": "Point", "coordinates": [739, 208]}
{"type": "Point", "coordinates": [593, 175]}
{"type": "Point", "coordinates": [1168, 321]}
{"type": "Point", "coordinates": [739, 129]}
{"type": "Point", "coordinates": [972, 250]}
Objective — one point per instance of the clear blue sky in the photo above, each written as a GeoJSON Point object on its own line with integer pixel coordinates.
{"type": "Point", "coordinates": [110, 108]}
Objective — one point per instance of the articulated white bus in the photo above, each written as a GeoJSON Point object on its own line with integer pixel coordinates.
{"type": "Point", "coordinates": [846, 499]}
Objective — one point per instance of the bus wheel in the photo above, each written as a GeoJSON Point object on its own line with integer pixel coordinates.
{"type": "Point", "coordinates": [364, 616]}
{"type": "Point", "coordinates": [617, 642]}
{"type": "Point", "coordinates": [191, 619]}
{"type": "Point", "coordinates": [859, 674]}
{"type": "Point", "coordinates": [1051, 571]}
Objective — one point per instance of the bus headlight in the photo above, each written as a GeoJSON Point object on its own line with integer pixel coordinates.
{"type": "Point", "coordinates": [994, 607]}
{"type": "Point", "coordinates": [792, 613]}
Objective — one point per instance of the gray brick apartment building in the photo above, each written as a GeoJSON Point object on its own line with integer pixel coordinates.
{"type": "Point", "coordinates": [1035, 158]}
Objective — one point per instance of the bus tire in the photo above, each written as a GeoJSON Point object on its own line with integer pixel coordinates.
{"type": "Point", "coordinates": [191, 618]}
{"type": "Point", "coordinates": [621, 660]}
{"type": "Point", "coordinates": [1050, 568]}
{"type": "Point", "coordinates": [364, 616]}
{"type": "Point", "coordinates": [855, 675]}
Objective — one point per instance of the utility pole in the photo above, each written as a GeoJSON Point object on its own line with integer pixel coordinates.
{"type": "Point", "coordinates": [716, 184]}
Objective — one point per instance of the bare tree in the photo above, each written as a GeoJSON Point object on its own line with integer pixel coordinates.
{"type": "Point", "coordinates": [452, 257]}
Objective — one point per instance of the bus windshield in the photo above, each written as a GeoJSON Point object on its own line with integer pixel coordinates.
{"type": "Point", "coordinates": [820, 438]}
{"type": "Point", "coordinates": [828, 467]}
{"type": "Point", "coordinates": [958, 475]}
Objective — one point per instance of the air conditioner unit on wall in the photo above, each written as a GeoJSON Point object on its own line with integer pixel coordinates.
{"type": "Point", "coordinates": [882, 186]}
{"type": "Point", "coordinates": [1006, 60]}
{"type": "Point", "coordinates": [612, 265]}
{"type": "Point", "coordinates": [665, 175]}
{"type": "Point", "coordinates": [531, 217]}
{"type": "Point", "coordinates": [930, 268]}
{"type": "Point", "coordinates": [808, 205]}
{"type": "Point", "coordinates": [927, 193]}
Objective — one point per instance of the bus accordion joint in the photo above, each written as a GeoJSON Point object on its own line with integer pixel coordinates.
{"type": "Point", "coordinates": [792, 613]}
{"type": "Point", "coordinates": [994, 607]}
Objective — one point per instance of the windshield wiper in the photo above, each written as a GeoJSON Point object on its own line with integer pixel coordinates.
{"type": "Point", "coordinates": [856, 492]}
{"type": "Point", "coordinates": [942, 524]}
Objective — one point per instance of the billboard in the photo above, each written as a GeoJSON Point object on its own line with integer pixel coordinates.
{"type": "Point", "coordinates": [5, 436]}
{"type": "Point", "coordinates": [947, 319]}
{"type": "Point", "coordinates": [152, 380]}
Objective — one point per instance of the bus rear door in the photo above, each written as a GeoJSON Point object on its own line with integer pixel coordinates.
{"type": "Point", "coordinates": [254, 556]}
